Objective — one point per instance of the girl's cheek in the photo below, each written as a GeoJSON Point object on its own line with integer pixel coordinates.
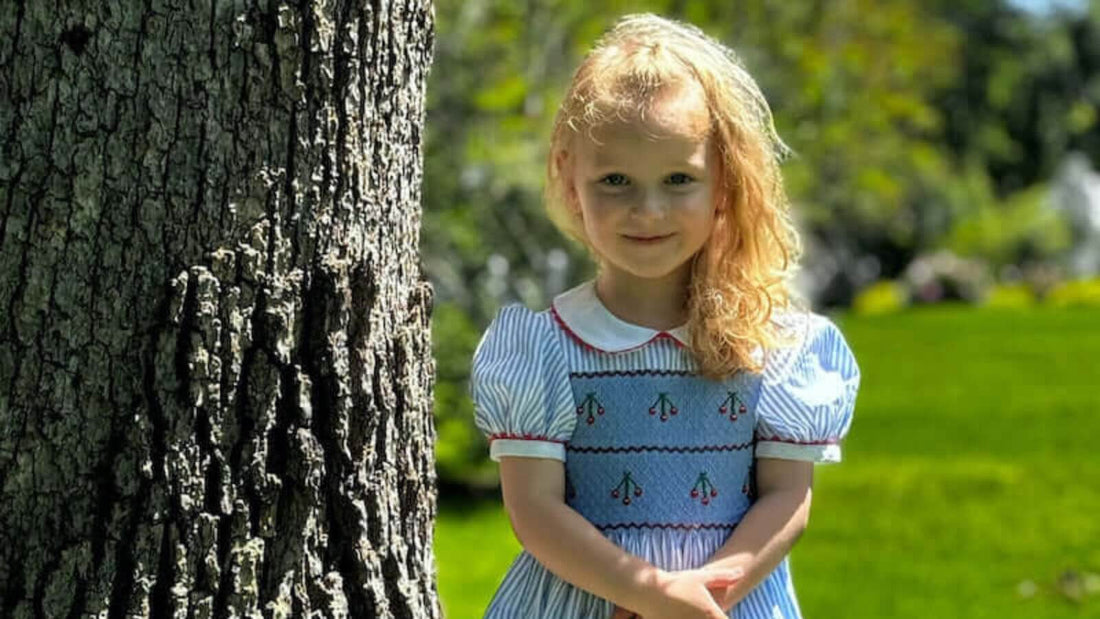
{"type": "Point", "coordinates": [696, 202]}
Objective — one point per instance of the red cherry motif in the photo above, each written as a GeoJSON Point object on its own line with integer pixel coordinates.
{"type": "Point", "coordinates": [733, 401]}
{"type": "Point", "coordinates": [703, 487]}
{"type": "Point", "coordinates": [627, 485]}
{"type": "Point", "coordinates": [588, 404]}
{"type": "Point", "coordinates": [665, 405]}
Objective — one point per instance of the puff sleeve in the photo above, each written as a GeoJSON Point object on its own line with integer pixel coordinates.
{"type": "Point", "coordinates": [807, 396]}
{"type": "Point", "coordinates": [520, 388]}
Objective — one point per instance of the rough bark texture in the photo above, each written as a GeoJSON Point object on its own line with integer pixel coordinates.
{"type": "Point", "coordinates": [215, 377]}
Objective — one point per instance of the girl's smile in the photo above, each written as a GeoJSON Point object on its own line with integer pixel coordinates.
{"type": "Point", "coordinates": [647, 239]}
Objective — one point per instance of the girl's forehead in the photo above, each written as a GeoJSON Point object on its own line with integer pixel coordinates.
{"type": "Point", "coordinates": [667, 138]}
{"type": "Point", "coordinates": [677, 114]}
{"type": "Point", "coordinates": [633, 151]}
{"type": "Point", "coordinates": [659, 131]}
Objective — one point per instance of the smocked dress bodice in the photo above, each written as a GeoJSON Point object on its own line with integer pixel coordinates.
{"type": "Point", "coordinates": [660, 449]}
{"type": "Point", "coordinates": [656, 457]}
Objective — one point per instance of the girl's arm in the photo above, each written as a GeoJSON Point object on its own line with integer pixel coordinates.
{"type": "Point", "coordinates": [564, 541]}
{"type": "Point", "coordinates": [770, 528]}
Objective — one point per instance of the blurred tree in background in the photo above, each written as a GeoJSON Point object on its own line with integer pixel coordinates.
{"type": "Point", "coordinates": [927, 135]}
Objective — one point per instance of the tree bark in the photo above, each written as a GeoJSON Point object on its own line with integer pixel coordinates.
{"type": "Point", "coordinates": [215, 372]}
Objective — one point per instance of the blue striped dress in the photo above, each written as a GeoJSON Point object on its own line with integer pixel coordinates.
{"type": "Point", "coordinates": [659, 459]}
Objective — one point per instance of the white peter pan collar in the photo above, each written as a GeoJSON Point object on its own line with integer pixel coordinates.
{"type": "Point", "coordinates": [582, 313]}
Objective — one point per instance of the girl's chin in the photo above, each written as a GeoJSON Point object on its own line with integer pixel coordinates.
{"type": "Point", "coordinates": [647, 269]}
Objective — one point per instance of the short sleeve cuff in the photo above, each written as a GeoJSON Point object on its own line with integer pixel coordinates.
{"type": "Point", "coordinates": [528, 448]}
{"type": "Point", "coordinates": [822, 453]}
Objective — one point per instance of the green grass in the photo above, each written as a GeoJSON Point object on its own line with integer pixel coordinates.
{"type": "Point", "coordinates": [972, 466]}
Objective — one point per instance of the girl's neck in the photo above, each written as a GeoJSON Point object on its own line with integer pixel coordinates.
{"type": "Point", "coordinates": [655, 303]}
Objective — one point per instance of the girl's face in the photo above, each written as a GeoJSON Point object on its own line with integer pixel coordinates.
{"type": "Point", "coordinates": [645, 188]}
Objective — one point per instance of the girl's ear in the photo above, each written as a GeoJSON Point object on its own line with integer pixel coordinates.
{"type": "Point", "coordinates": [565, 173]}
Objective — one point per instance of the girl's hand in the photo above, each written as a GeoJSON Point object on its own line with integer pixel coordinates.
{"type": "Point", "coordinates": [723, 596]}
{"type": "Point", "coordinates": [687, 593]}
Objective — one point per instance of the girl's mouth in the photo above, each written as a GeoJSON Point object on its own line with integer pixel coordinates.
{"type": "Point", "coordinates": [648, 239]}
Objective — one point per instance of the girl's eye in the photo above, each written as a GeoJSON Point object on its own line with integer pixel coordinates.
{"type": "Point", "coordinates": [614, 180]}
{"type": "Point", "coordinates": [679, 179]}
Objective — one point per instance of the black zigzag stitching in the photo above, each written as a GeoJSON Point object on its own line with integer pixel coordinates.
{"type": "Point", "coordinates": [641, 448]}
{"type": "Point", "coordinates": [661, 525]}
{"type": "Point", "coordinates": [631, 373]}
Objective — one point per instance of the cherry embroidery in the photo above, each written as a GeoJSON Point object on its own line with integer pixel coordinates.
{"type": "Point", "coordinates": [665, 405]}
{"type": "Point", "coordinates": [732, 400]}
{"type": "Point", "coordinates": [705, 488]}
{"type": "Point", "coordinates": [588, 404]}
{"type": "Point", "coordinates": [628, 485]}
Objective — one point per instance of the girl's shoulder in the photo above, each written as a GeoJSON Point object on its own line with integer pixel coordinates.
{"type": "Point", "coordinates": [515, 324]}
{"type": "Point", "coordinates": [518, 313]}
{"type": "Point", "coordinates": [803, 332]}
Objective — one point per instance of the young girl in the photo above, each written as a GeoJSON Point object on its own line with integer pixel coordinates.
{"type": "Point", "coordinates": [656, 427]}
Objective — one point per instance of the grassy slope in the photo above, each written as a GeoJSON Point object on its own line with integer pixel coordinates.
{"type": "Point", "coordinates": [971, 467]}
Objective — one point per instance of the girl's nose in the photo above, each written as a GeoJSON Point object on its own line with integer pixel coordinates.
{"type": "Point", "coordinates": [650, 203]}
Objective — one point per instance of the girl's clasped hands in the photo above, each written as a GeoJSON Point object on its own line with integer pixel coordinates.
{"type": "Point", "coordinates": [688, 594]}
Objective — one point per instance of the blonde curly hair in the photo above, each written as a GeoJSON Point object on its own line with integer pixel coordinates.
{"type": "Point", "coordinates": [742, 275]}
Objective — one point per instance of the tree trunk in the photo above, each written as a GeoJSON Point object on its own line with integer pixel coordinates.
{"type": "Point", "coordinates": [215, 372]}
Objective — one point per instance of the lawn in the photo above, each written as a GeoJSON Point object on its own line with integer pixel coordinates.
{"type": "Point", "coordinates": [970, 485]}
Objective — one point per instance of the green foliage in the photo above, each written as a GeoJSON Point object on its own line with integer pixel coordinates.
{"type": "Point", "coordinates": [882, 297]}
{"type": "Point", "coordinates": [1022, 227]}
{"type": "Point", "coordinates": [965, 489]}
{"type": "Point", "coordinates": [458, 446]}
{"type": "Point", "coordinates": [1010, 296]}
{"type": "Point", "coordinates": [1075, 293]}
